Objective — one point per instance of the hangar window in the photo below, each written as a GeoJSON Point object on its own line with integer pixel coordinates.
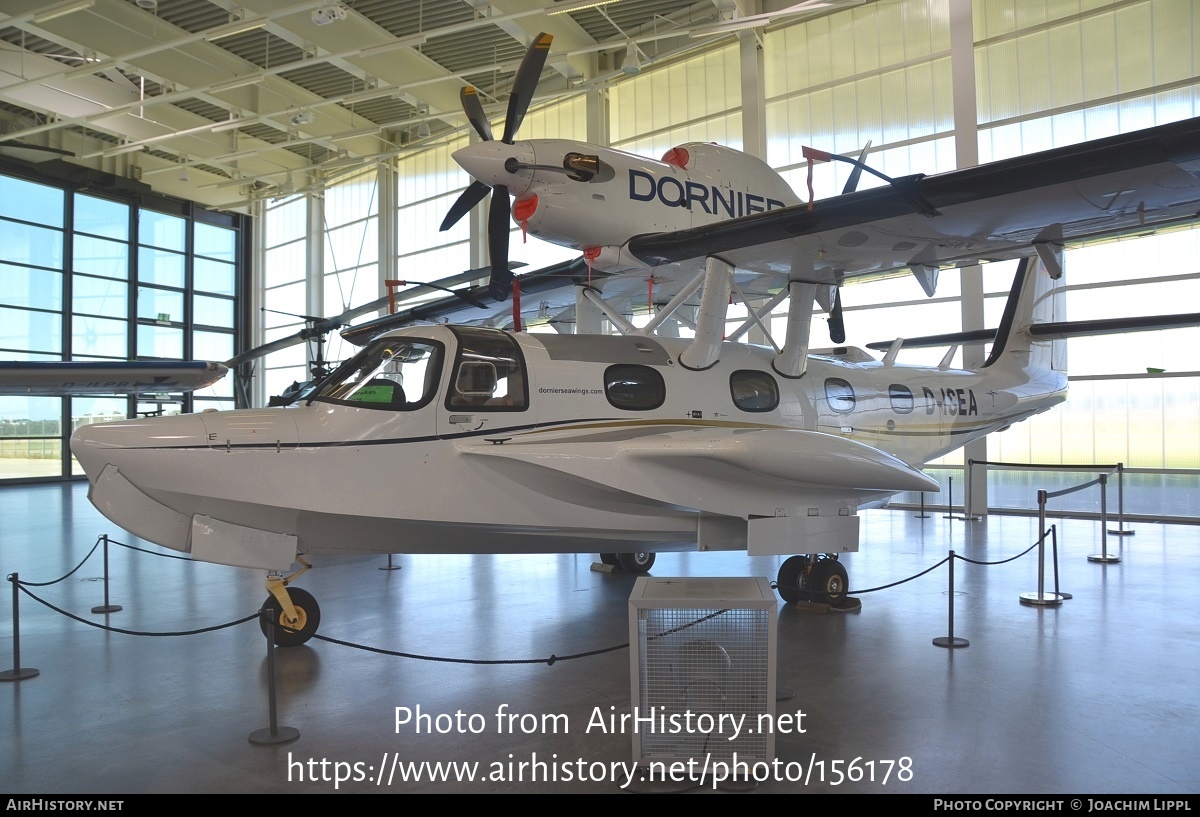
{"type": "Point", "coordinates": [634, 388]}
{"type": "Point", "coordinates": [753, 391]}
{"type": "Point", "coordinates": [902, 398]}
{"type": "Point", "coordinates": [840, 395]}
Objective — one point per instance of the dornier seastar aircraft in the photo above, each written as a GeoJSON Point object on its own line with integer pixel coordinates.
{"type": "Point", "coordinates": [469, 439]}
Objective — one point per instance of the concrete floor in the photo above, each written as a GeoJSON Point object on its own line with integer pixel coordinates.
{"type": "Point", "coordinates": [1097, 695]}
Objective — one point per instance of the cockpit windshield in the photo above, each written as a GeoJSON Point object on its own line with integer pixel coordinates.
{"type": "Point", "coordinates": [399, 374]}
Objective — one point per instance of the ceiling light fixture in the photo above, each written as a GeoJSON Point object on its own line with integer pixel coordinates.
{"type": "Point", "coordinates": [423, 131]}
{"type": "Point", "coordinates": [237, 27]}
{"type": "Point", "coordinates": [563, 8]}
{"type": "Point", "coordinates": [632, 64]}
{"type": "Point", "coordinates": [303, 118]}
{"type": "Point", "coordinates": [62, 9]}
{"type": "Point", "coordinates": [396, 45]}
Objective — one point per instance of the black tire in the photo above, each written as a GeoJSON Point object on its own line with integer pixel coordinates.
{"type": "Point", "coordinates": [790, 581]}
{"type": "Point", "coordinates": [609, 559]}
{"type": "Point", "coordinates": [310, 619]}
{"type": "Point", "coordinates": [636, 562]}
{"type": "Point", "coordinates": [829, 579]}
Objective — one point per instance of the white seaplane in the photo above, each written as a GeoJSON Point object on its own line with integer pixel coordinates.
{"type": "Point", "coordinates": [469, 439]}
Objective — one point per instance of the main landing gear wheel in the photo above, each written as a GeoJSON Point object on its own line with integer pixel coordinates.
{"type": "Point", "coordinates": [828, 578]}
{"type": "Point", "coordinates": [609, 559]}
{"type": "Point", "coordinates": [635, 562]}
{"type": "Point", "coordinates": [790, 581]}
{"type": "Point", "coordinates": [308, 616]}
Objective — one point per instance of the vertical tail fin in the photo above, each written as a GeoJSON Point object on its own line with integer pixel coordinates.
{"type": "Point", "coordinates": [1036, 297]}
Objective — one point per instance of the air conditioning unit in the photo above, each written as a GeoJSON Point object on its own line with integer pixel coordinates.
{"type": "Point", "coordinates": [702, 670]}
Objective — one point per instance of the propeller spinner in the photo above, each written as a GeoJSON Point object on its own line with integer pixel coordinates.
{"type": "Point", "coordinates": [500, 210]}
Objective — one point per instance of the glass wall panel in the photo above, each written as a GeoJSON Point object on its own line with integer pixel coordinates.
{"type": "Point", "coordinates": [160, 305]}
{"type": "Point", "coordinates": [100, 256]}
{"type": "Point", "coordinates": [214, 276]}
{"type": "Point", "coordinates": [212, 311]}
{"type": "Point", "coordinates": [30, 331]}
{"type": "Point", "coordinates": [30, 201]}
{"type": "Point", "coordinates": [99, 337]}
{"type": "Point", "coordinates": [162, 268]}
{"type": "Point", "coordinates": [30, 245]}
{"type": "Point", "coordinates": [161, 230]}
{"type": "Point", "coordinates": [159, 341]}
{"type": "Point", "coordinates": [30, 287]}
{"type": "Point", "coordinates": [101, 217]}
{"type": "Point", "coordinates": [211, 241]}
{"type": "Point", "coordinates": [30, 437]}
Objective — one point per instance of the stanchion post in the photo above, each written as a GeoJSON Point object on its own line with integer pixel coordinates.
{"type": "Point", "coordinates": [1041, 597]}
{"type": "Point", "coordinates": [1054, 556]}
{"type": "Point", "coordinates": [17, 673]}
{"type": "Point", "coordinates": [389, 565]}
{"type": "Point", "coordinates": [922, 514]}
{"type": "Point", "coordinates": [274, 733]}
{"type": "Point", "coordinates": [949, 498]}
{"type": "Point", "coordinates": [949, 641]}
{"type": "Point", "coordinates": [1121, 531]}
{"type": "Point", "coordinates": [106, 607]}
{"type": "Point", "coordinates": [1103, 555]}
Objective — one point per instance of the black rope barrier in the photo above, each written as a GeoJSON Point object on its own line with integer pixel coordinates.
{"type": "Point", "coordinates": [105, 627]}
{"type": "Point", "coordinates": [71, 573]}
{"type": "Point", "coordinates": [551, 661]}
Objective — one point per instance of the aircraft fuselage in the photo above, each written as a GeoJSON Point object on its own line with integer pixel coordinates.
{"type": "Point", "coordinates": [484, 441]}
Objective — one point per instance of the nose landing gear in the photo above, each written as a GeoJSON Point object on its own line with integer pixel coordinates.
{"type": "Point", "coordinates": [297, 613]}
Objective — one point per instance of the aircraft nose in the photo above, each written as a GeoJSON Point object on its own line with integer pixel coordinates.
{"type": "Point", "coordinates": [496, 163]}
{"type": "Point", "coordinates": [118, 443]}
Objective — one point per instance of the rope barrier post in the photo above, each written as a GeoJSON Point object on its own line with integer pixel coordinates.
{"type": "Point", "coordinates": [17, 673]}
{"type": "Point", "coordinates": [922, 514]}
{"type": "Point", "coordinates": [273, 734]}
{"type": "Point", "coordinates": [106, 607]}
{"type": "Point", "coordinates": [389, 565]}
{"type": "Point", "coordinates": [949, 641]}
{"type": "Point", "coordinates": [1103, 556]}
{"type": "Point", "coordinates": [949, 498]}
{"type": "Point", "coordinates": [1054, 557]}
{"type": "Point", "coordinates": [1121, 531]}
{"type": "Point", "coordinates": [1041, 597]}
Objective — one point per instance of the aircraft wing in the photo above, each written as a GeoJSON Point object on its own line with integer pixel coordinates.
{"type": "Point", "coordinates": [60, 379]}
{"type": "Point", "coordinates": [1136, 182]}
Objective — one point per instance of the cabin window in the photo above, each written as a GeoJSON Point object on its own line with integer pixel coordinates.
{"type": "Point", "coordinates": [753, 391]}
{"type": "Point", "coordinates": [840, 395]}
{"type": "Point", "coordinates": [489, 373]}
{"type": "Point", "coordinates": [634, 388]}
{"type": "Point", "coordinates": [902, 398]}
{"type": "Point", "coordinates": [397, 374]}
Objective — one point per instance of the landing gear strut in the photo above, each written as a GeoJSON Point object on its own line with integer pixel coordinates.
{"type": "Point", "coordinates": [820, 577]}
{"type": "Point", "coordinates": [296, 612]}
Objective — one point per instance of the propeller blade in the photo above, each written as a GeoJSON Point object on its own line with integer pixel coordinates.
{"type": "Point", "coordinates": [837, 327]}
{"type": "Point", "coordinates": [462, 205]}
{"type": "Point", "coordinates": [499, 217]}
{"type": "Point", "coordinates": [525, 83]}
{"type": "Point", "coordinates": [473, 108]}
{"type": "Point", "coordinates": [856, 174]}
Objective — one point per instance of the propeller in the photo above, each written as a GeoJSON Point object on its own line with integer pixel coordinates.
{"type": "Point", "coordinates": [500, 210]}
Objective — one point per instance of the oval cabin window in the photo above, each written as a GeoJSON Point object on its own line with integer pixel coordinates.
{"type": "Point", "coordinates": [634, 388]}
{"type": "Point", "coordinates": [840, 395]}
{"type": "Point", "coordinates": [753, 391]}
{"type": "Point", "coordinates": [902, 398]}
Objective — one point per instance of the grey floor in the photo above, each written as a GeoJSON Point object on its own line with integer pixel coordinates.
{"type": "Point", "coordinates": [1097, 695]}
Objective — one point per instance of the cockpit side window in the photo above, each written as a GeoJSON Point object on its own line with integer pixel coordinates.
{"type": "Point", "coordinates": [395, 374]}
{"type": "Point", "coordinates": [489, 372]}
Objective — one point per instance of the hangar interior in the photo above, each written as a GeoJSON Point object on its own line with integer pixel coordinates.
{"type": "Point", "coordinates": [183, 180]}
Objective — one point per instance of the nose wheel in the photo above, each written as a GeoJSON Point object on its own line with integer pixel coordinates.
{"type": "Point", "coordinates": [297, 628]}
